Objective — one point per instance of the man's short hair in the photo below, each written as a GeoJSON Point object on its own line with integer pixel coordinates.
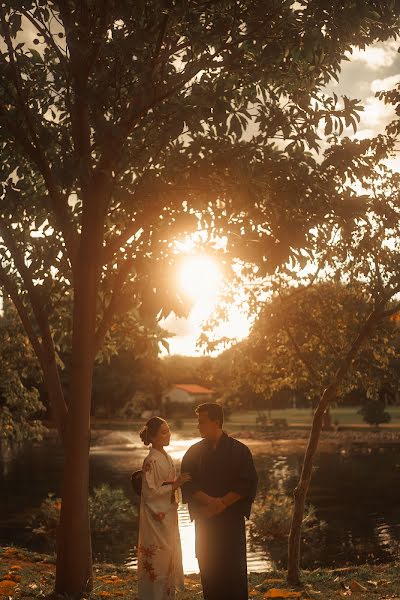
{"type": "Point", "coordinates": [214, 411]}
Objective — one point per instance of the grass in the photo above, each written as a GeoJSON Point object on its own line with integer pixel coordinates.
{"type": "Point", "coordinates": [26, 575]}
{"type": "Point", "coordinates": [296, 417]}
{"type": "Point", "coordinates": [303, 416]}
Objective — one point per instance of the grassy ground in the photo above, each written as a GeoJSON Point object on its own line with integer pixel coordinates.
{"type": "Point", "coordinates": [25, 575]}
{"type": "Point", "coordinates": [303, 416]}
{"type": "Point", "coordinates": [296, 417]}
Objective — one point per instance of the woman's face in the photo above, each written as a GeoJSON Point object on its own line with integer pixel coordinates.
{"type": "Point", "coordinates": [163, 436]}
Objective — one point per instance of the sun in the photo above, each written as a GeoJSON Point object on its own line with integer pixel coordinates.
{"type": "Point", "coordinates": [200, 277]}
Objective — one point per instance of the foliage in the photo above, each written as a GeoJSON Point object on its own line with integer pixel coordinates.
{"type": "Point", "coordinates": [374, 413]}
{"type": "Point", "coordinates": [20, 409]}
{"type": "Point", "coordinates": [188, 369]}
{"type": "Point", "coordinates": [111, 512]}
{"type": "Point", "coordinates": [169, 111]}
{"type": "Point", "coordinates": [45, 521]}
{"type": "Point", "coordinates": [112, 515]}
{"type": "Point", "coordinates": [299, 340]}
{"type": "Point", "coordinates": [135, 406]}
{"type": "Point", "coordinates": [127, 384]}
{"type": "Point", "coordinates": [272, 516]}
{"type": "Point", "coordinates": [20, 405]}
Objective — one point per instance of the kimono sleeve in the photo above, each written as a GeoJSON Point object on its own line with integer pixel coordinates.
{"type": "Point", "coordinates": [153, 482]}
{"type": "Point", "coordinates": [245, 479]}
{"type": "Point", "coordinates": [189, 465]}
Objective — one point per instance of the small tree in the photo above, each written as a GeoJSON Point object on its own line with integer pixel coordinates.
{"type": "Point", "coordinates": [374, 413]}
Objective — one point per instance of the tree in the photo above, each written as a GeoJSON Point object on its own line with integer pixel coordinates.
{"type": "Point", "coordinates": [361, 253]}
{"type": "Point", "coordinates": [374, 413]}
{"type": "Point", "coordinates": [122, 128]}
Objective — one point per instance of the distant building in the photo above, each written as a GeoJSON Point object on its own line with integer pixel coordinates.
{"type": "Point", "coordinates": [188, 393]}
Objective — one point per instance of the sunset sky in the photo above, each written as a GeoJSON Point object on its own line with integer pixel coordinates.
{"type": "Point", "coordinates": [376, 68]}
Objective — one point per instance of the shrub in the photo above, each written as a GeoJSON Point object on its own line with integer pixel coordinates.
{"type": "Point", "coordinates": [111, 512]}
{"type": "Point", "coordinates": [272, 516]}
{"type": "Point", "coordinates": [45, 521]}
{"type": "Point", "coordinates": [374, 413]}
{"type": "Point", "coordinates": [112, 516]}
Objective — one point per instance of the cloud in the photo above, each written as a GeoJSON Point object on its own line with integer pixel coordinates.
{"type": "Point", "coordinates": [377, 56]}
{"type": "Point", "coordinates": [374, 119]}
{"type": "Point", "coordinates": [388, 83]}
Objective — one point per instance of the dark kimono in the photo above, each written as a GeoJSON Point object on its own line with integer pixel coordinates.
{"type": "Point", "coordinates": [221, 539]}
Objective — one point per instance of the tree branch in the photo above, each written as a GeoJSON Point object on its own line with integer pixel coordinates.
{"type": "Point", "coordinates": [59, 203]}
{"type": "Point", "coordinates": [13, 293]}
{"type": "Point", "coordinates": [302, 357]}
{"type": "Point", "coordinates": [113, 304]}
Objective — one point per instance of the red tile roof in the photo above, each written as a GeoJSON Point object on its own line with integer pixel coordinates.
{"type": "Point", "coordinates": [193, 388]}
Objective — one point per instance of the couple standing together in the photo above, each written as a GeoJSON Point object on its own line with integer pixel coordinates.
{"type": "Point", "coordinates": [218, 481]}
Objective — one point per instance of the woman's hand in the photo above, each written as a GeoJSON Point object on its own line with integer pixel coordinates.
{"type": "Point", "coordinates": [183, 478]}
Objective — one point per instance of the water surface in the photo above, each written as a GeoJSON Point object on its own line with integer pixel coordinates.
{"type": "Point", "coordinates": [356, 492]}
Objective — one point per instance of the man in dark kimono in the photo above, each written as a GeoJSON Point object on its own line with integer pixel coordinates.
{"type": "Point", "coordinates": [220, 494]}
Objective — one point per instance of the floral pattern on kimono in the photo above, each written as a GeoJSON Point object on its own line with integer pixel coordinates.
{"type": "Point", "coordinates": [160, 571]}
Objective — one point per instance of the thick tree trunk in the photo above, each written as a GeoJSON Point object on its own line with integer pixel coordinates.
{"type": "Point", "coordinates": [300, 493]}
{"type": "Point", "coordinates": [74, 555]}
{"type": "Point", "coordinates": [56, 396]}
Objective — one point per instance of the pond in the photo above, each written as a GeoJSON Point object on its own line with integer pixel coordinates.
{"type": "Point", "coordinates": [356, 492]}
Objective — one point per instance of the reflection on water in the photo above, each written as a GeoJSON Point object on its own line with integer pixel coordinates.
{"type": "Point", "coordinates": [357, 492]}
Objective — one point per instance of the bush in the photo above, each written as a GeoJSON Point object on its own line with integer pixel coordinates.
{"type": "Point", "coordinates": [133, 408]}
{"type": "Point", "coordinates": [111, 512]}
{"type": "Point", "coordinates": [44, 523]}
{"type": "Point", "coordinates": [272, 516]}
{"type": "Point", "coordinates": [374, 413]}
{"type": "Point", "coordinates": [112, 516]}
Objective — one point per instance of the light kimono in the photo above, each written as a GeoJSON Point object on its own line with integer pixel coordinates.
{"type": "Point", "coordinates": [160, 571]}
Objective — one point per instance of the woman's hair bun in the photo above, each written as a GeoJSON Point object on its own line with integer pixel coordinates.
{"type": "Point", "coordinates": [144, 435]}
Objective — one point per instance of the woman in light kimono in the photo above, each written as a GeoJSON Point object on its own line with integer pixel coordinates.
{"type": "Point", "coordinates": [160, 571]}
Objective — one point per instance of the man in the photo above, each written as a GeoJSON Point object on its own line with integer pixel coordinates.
{"type": "Point", "coordinates": [220, 494]}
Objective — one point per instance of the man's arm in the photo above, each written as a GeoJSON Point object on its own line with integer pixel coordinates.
{"type": "Point", "coordinates": [209, 505]}
{"type": "Point", "coordinates": [230, 498]}
{"type": "Point", "coordinates": [246, 481]}
{"type": "Point", "coordinates": [244, 484]}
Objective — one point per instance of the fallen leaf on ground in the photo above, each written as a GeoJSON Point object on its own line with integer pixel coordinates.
{"type": "Point", "coordinates": [281, 593]}
{"type": "Point", "coordinates": [7, 587]}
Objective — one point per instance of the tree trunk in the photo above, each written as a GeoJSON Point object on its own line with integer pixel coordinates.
{"type": "Point", "coordinates": [300, 493]}
{"type": "Point", "coordinates": [74, 553]}
{"type": "Point", "coordinates": [56, 396]}
{"type": "Point", "coordinates": [327, 420]}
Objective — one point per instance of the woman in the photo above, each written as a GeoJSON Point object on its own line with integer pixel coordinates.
{"type": "Point", "coordinates": [160, 571]}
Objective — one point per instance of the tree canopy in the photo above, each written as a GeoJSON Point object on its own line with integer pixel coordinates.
{"type": "Point", "coordinates": [299, 341]}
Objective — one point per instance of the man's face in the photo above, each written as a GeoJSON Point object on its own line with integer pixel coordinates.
{"type": "Point", "coordinates": [208, 429]}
